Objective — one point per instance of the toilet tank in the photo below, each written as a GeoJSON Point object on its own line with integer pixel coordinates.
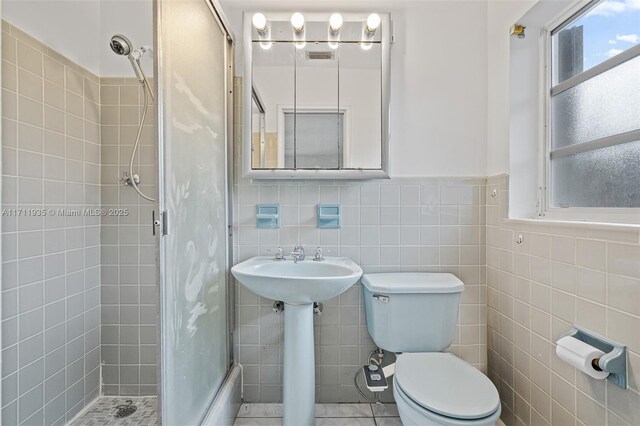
{"type": "Point", "coordinates": [412, 312]}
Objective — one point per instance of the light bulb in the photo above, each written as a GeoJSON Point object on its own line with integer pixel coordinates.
{"type": "Point", "coordinates": [297, 21]}
{"type": "Point", "coordinates": [335, 22]}
{"type": "Point", "coordinates": [373, 22]}
{"type": "Point", "coordinates": [259, 21]}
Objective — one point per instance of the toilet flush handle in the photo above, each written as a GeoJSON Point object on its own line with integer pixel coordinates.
{"type": "Point", "coordinates": [381, 298]}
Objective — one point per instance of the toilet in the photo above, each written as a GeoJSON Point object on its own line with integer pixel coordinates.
{"type": "Point", "coordinates": [415, 315]}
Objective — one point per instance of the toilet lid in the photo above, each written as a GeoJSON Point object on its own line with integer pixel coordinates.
{"type": "Point", "coordinates": [445, 384]}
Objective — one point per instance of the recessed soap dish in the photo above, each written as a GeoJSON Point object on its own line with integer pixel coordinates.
{"type": "Point", "coordinates": [268, 216]}
{"type": "Point", "coordinates": [329, 216]}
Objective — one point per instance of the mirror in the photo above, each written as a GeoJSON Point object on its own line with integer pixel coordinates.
{"type": "Point", "coordinates": [319, 102]}
{"type": "Point", "coordinates": [258, 134]}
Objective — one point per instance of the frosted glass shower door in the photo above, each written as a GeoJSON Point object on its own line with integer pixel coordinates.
{"type": "Point", "coordinates": [192, 83]}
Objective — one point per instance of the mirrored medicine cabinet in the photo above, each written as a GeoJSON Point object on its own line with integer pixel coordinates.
{"type": "Point", "coordinates": [316, 96]}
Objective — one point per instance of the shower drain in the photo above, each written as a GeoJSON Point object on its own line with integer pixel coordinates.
{"type": "Point", "coordinates": [125, 410]}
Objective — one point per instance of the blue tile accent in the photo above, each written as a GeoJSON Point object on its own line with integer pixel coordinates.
{"type": "Point", "coordinates": [329, 216]}
{"type": "Point", "coordinates": [268, 216]}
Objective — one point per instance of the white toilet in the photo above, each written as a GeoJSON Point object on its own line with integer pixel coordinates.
{"type": "Point", "coordinates": [414, 315]}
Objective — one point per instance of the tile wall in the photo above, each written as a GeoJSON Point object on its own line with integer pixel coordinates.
{"type": "Point", "coordinates": [430, 224]}
{"type": "Point", "coordinates": [128, 247]}
{"type": "Point", "coordinates": [67, 139]}
{"type": "Point", "coordinates": [51, 256]}
{"type": "Point", "coordinates": [559, 275]}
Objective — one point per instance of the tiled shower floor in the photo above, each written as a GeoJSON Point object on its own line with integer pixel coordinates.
{"type": "Point", "coordinates": [102, 412]}
{"type": "Point", "coordinates": [326, 415]}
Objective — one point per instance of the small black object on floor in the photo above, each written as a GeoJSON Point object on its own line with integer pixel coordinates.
{"type": "Point", "coordinates": [125, 410]}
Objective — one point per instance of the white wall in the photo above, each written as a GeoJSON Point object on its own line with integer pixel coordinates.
{"type": "Point", "coordinates": [439, 80]}
{"type": "Point", "coordinates": [514, 104]}
{"type": "Point", "coordinates": [500, 16]}
{"type": "Point", "coordinates": [69, 27]}
{"type": "Point", "coordinates": [81, 29]}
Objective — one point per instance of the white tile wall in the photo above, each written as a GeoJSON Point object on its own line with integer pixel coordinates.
{"type": "Point", "coordinates": [560, 275]}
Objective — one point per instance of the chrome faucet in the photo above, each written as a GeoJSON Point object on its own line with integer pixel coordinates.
{"type": "Point", "coordinates": [297, 254]}
{"type": "Point", "coordinates": [279, 254]}
{"type": "Point", "coordinates": [319, 257]}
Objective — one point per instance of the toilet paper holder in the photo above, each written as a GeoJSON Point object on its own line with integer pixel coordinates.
{"type": "Point", "coordinates": [614, 360]}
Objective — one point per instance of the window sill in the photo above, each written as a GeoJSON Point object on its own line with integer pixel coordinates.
{"type": "Point", "coordinates": [619, 232]}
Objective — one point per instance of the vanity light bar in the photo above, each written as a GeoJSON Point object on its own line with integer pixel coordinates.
{"type": "Point", "coordinates": [335, 24]}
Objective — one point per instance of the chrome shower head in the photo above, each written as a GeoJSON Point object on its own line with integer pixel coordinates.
{"type": "Point", "coordinates": [121, 45]}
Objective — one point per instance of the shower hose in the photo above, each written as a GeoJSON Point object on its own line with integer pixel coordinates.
{"type": "Point", "coordinates": [146, 88]}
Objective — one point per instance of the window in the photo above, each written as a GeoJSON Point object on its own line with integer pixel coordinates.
{"type": "Point", "coordinates": [313, 139]}
{"type": "Point", "coordinates": [593, 138]}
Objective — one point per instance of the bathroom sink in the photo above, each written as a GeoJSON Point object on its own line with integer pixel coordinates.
{"type": "Point", "coordinates": [304, 282]}
{"type": "Point", "coordinates": [298, 285]}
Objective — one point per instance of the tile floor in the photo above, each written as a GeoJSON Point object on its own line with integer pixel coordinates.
{"type": "Point", "coordinates": [326, 415]}
{"type": "Point", "coordinates": [102, 412]}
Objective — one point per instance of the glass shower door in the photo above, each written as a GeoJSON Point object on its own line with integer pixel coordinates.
{"type": "Point", "coordinates": [192, 81]}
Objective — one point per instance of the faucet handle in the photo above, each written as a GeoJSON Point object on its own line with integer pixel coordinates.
{"type": "Point", "coordinates": [279, 254]}
{"type": "Point", "coordinates": [319, 257]}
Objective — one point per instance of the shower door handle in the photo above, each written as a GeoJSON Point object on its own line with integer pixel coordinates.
{"type": "Point", "coordinates": [154, 222]}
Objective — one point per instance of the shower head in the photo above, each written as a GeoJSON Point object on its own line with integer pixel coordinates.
{"type": "Point", "coordinates": [121, 45]}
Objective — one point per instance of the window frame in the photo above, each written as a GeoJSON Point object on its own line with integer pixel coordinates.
{"type": "Point", "coordinates": [629, 215]}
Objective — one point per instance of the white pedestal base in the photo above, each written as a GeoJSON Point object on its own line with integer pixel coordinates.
{"type": "Point", "coordinates": [299, 378]}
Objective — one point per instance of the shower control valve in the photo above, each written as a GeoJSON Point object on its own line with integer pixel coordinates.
{"type": "Point", "coordinates": [127, 179]}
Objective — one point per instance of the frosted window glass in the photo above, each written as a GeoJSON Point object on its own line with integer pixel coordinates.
{"type": "Point", "coordinates": [607, 177]}
{"type": "Point", "coordinates": [605, 105]}
{"type": "Point", "coordinates": [194, 323]}
{"type": "Point", "coordinates": [318, 142]}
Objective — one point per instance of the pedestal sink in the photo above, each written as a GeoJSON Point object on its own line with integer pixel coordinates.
{"type": "Point", "coordinates": [298, 285]}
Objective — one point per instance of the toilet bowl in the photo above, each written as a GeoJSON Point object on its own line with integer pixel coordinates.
{"type": "Point", "coordinates": [441, 389]}
{"type": "Point", "coordinates": [414, 315]}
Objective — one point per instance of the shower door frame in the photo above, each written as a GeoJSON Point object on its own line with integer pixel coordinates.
{"type": "Point", "coordinates": [161, 225]}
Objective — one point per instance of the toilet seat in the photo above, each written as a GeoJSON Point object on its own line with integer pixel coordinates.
{"type": "Point", "coordinates": [412, 414]}
{"type": "Point", "coordinates": [445, 385]}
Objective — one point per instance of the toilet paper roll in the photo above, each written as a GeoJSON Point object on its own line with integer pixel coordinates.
{"type": "Point", "coordinates": [579, 354]}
